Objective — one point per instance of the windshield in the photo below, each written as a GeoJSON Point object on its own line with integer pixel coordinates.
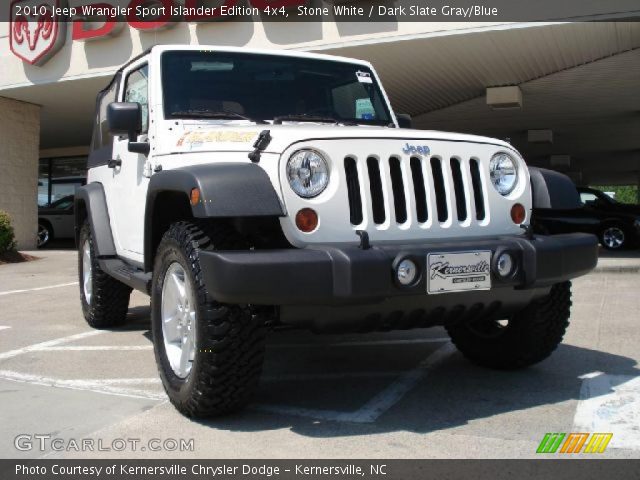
{"type": "Point", "coordinates": [269, 87]}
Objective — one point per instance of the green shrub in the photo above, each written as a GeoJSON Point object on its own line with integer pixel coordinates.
{"type": "Point", "coordinates": [7, 237]}
{"type": "Point", "coordinates": [624, 193]}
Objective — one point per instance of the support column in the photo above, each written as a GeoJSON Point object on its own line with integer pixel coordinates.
{"type": "Point", "coordinates": [19, 151]}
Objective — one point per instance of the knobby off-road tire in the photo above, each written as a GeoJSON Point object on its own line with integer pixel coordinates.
{"type": "Point", "coordinates": [529, 337]}
{"type": "Point", "coordinates": [104, 299]}
{"type": "Point", "coordinates": [229, 339]}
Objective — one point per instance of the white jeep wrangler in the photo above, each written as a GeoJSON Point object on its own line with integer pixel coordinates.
{"type": "Point", "coordinates": [247, 189]}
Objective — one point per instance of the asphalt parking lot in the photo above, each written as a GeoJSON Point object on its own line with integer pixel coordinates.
{"type": "Point", "coordinates": [386, 395]}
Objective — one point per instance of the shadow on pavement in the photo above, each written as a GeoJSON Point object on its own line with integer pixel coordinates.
{"type": "Point", "coordinates": [454, 394]}
{"type": "Point", "coordinates": [60, 244]}
{"type": "Point", "coordinates": [626, 253]}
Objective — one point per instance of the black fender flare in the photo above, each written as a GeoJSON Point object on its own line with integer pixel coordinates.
{"type": "Point", "coordinates": [90, 203]}
{"type": "Point", "coordinates": [551, 189]}
{"type": "Point", "coordinates": [227, 190]}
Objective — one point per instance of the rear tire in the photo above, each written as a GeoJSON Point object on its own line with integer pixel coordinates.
{"type": "Point", "coordinates": [225, 361]}
{"type": "Point", "coordinates": [105, 300]}
{"type": "Point", "coordinates": [529, 337]}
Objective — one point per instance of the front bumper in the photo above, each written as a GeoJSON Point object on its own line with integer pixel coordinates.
{"type": "Point", "coordinates": [337, 276]}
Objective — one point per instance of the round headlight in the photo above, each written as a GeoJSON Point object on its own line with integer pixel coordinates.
{"type": "Point", "coordinates": [308, 173]}
{"type": "Point", "coordinates": [504, 173]}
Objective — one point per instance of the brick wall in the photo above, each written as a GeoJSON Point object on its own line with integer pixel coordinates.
{"type": "Point", "coordinates": [19, 152]}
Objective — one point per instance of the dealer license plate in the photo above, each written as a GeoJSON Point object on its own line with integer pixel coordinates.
{"type": "Point", "coordinates": [458, 272]}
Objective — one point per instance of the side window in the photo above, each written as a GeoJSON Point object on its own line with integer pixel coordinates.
{"type": "Point", "coordinates": [587, 198]}
{"type": "Point", "coordinates": [102, 136]}
{"type": "Point", "coordinates": [136, 90]}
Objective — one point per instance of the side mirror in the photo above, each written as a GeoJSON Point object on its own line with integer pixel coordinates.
{"type": "Point", "coordinates": [125, 119]}
{"type": "Point", "coordinates": [404, 120]}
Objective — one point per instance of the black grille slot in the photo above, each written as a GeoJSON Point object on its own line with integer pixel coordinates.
{"type": "Point", "coordinates": [397, 184]}
{"type": "Point", "coordinates": [375, 186]}
{"type": "Point", "coordinates": [353, 190]}
{"type": "Point", "coordinates": [438, 187]}
{"type": "Point", "coordinates": [458, 188]}
{"type": "Point", "coordinates": [419, 190]}
{"type": "Point", "coordinates": [476, 183]}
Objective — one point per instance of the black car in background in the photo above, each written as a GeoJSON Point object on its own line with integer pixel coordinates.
{"type": "Point", "coordinates": [617, 225]}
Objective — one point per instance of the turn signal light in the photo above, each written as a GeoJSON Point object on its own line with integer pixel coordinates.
{"type": "Point", "coordinates": [306, 220]}
{"type": "Point", "coordinates": [195, 196]}
{"type": "Point", "coordinates": [518, 213]}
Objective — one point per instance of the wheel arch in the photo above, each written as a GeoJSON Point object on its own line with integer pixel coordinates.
{"type": "Point", "coordinates": [90, 204]}
{"type": "Point", "coordinates": [553, 190]}
{"type": "Point", "coordinates": [226, 191]}
{"type": "Point", "coordinates": [47, 223]}
{"type": "Point", "coordinates": [612, 222]}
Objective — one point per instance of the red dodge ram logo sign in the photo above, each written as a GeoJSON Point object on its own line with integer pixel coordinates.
{"type": "Point", "coordinates": [34, 34]}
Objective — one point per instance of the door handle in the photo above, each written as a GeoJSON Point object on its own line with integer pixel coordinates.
{"type": "Point", "coordinates": [113, 163]}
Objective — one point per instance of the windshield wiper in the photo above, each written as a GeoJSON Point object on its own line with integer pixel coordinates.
{"type": "Point", "coordinates": [306, 117]}
{"type": "Point", "coordinates": [222, 114]}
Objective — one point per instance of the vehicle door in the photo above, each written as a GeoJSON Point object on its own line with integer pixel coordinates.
{"type": "Point", "coordinates": [130, 175]}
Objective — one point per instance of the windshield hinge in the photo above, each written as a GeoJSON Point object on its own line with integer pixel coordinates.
{"type": "Point", "coordinates": [147, 170]}
{"type": "Point", "coordinates": [260, 144]}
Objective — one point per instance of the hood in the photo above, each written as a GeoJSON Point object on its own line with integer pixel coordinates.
{"type": "Point", "coordinates": [195, 136]}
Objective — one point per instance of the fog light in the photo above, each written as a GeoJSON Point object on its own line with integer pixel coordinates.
{"type": "Point", "coordinates": [504, 265]}
{"type": "Point", "coordinates": [407, 272]}
{"type": "Point", "coordinates": [306, 220]}
{"type": "Point", "coordinates": [518, 213]}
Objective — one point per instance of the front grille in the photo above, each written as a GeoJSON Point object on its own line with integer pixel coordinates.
{"type": "Point", "coordinates": [353, 190]}
{"type": "Point", "coordinates": [439, 189]}
{"type": "Point", "coordinates": [399, 189]}
{"type": "Point", "coordinates": [397, 185]}
{"type": "Point", "coordinates": [478, 194]}
{"type": "Point", "coordinates": [419, 190]}
{"type": "Point", "coordinates": [375, 190]}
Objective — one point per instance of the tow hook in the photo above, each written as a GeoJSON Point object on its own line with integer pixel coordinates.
{"type": "Point", "coordinates": [528, 231]}
{"type": "Point", "coordinates": [364, 239]}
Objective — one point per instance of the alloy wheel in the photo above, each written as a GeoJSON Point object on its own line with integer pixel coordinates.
{"type": "Point", "coordinates": [178, 320]}
{"type": "Point", "coordinates": [87, 274]}
{"type": "Point", "coordinates": [613, 237]}
{"type": "Point", "coordinates": [43, 235]}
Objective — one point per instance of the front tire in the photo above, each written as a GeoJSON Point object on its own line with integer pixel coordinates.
{"type": "Point", "coordinates": [209, 354]}
{"type": "Point", "coordinates": [528, 337]}
{"type": "Point", "coordinates": [105, 300]}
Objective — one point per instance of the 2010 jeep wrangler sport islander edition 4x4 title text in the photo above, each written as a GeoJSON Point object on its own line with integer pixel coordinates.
{"type": "Point", "coordinates": [244, 189]}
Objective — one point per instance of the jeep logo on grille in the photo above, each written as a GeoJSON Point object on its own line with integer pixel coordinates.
{"type": "Point", "coordinates": [409, 149]}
